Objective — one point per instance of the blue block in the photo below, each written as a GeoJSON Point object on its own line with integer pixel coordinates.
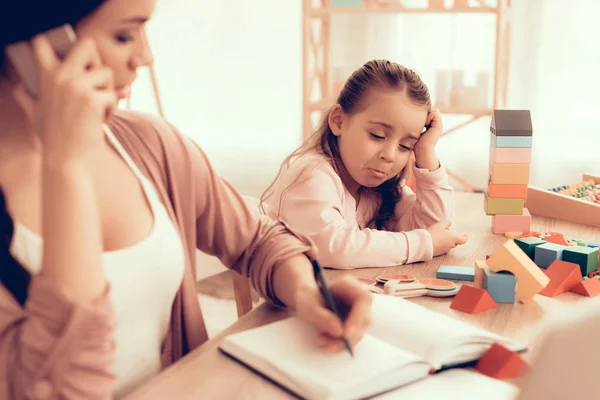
{"type": "Point", "coordinates": [456, 273]}
{"type": "Point", "coordinates": [594, 245]}
{"type": "Point", "coordinates": [513, 141]}
{"type": "Point", "coordinates": [547, 253]}
{"type": "Point", "coordinates": [500, 285]}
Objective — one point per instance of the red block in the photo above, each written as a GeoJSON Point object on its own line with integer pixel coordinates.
{"type": "Point", "coordinates": [563, 276]}
{"type": "Point", "coordinates": [556, 239]}
{"type": "Point", "coordinates": [589, 288]}
{"type": "Point", "coordinates": [472, 300]}
{"type": "Point", "coordinates": [501, 363]}
{"type": "Point", "coordinates": [530, 234]}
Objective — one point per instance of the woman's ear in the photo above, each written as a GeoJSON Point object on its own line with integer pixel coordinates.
{"type": "Point", "coordinates": [335, 120]}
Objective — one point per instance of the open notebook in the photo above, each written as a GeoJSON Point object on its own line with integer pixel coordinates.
{"type": "Point", "coordinates": [406, 342]}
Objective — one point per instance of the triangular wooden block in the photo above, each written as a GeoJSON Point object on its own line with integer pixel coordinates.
{"type": "Point", "coordinates": [563, 276]}
{"type": "Point", "coordinates": [472, 300]}
{"type": "Point", "coordinates": [556, 239]}
{"type": "Point", "coordinates": [589, 288]}
{"type": "Point", "coordinates": [501, 363]}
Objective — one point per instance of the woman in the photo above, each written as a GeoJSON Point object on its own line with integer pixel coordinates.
{"type": "Point", "coordinates": [101, 212]}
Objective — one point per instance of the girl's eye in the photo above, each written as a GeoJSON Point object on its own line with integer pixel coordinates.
{"type": "Point", "coordinates": [124, 38]}
{"type": "Point", "coordinates": [405, 148]}
{"type": "Point", "coordinates": [377, 137]}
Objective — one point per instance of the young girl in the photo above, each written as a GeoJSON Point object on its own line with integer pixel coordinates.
{"type": "Point", "coordinates": [345, 186]}
{"type": "Point", "coordinates": [99, 223]}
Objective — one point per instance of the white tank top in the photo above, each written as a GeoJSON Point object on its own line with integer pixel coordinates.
{"type": "Point", "coordinates": [144, 280]}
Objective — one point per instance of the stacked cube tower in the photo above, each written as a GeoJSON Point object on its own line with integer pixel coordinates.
{"type": "Point", "coordinates": [511, 135]}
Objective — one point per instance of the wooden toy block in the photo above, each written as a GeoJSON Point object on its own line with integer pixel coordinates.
{"type": "Point", "coordinates": [510, 174]}
{"type": "Point", "coordinates": [507, 155]}
{"type": "Point", "coordinates": [500, 285]}
{"type": "Point", "coordinates": [585, 257]}
{"type": "Point", "coordinates": [478, 278]}
{"type": "Point", "coordinates": [501, 363]}
{"type": "Point", "coordinates": [512, 141]}
{"type": "Point", "coordinates": [528, 245]}
{"type": "Point", "coordinates": [593, 274]}
{"type": "Point", "coordinates": [563, 276]}
{"type": "Point", "coordinates": [472, 300]}
{"type": "Point", "coordinates": [502, 223]}
{"type": "Point", "coordinates": [512, 234]}
{"type": "Point", "coordinates": [457, 273]}
{"type": "Point", "coordinates": [511, 123]}
{"type": "Point", "coordinates": [531, 234]}
{"type": "Point", "coordinates": [556, 239]}
{"type": "Point", "coordinates": [545, 254]}
{"type": "Point", "coordinates": [512, 259]}
{"type": "Point", "coordinates": [507, 191]}
{"type": "Point", "coordinates": [346, 3]}
{"type": "Point", "coordinates": [503, 206]}
{"type": "Point", "coordinates": [587, 288]}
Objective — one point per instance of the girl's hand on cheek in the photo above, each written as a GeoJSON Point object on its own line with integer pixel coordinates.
{"type": "Point", "coordinates": [425, 147]}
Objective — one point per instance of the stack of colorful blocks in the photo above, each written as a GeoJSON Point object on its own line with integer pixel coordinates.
{"type": "Point", "coordinates": [511, 135]}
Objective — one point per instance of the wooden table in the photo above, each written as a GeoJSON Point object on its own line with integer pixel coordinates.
{"type": "Point", "coordinates": [206, 373]}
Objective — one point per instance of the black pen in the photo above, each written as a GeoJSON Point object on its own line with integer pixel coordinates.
{"type": "Point", "coordinates": [320, 277]}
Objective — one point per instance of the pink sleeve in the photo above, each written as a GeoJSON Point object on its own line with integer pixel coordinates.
{"type": "Point", "coordinates": [54, 349]}
{"type": "Point", "coordinates": [433, 202]}
{"type": "Point", "coordinates": [250, 244]}
{"type": "Point", "coordinates": [312, 204]}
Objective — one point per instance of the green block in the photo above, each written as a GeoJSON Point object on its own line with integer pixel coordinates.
{"type": "Point", "coordinates": [528, 245]}
{"type": "Point", "coordinates": [585, 257]}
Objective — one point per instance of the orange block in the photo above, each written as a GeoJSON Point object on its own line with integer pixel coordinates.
{"type": "Point", "coordinates": [507, 191]}
{"type": "Point", "coordinates": [472, 300]}
{"type": "Point", "coordinates": [563, 276]}
{"type": "Point", "coordinates": [501, 363]}
{"type": "Point", "coordinates": [478, 277]}
{"type": "Point", "coordinates": [502, 223]}
{"type": "Point", "coordinates": [510, 174]}
{"type": "Point", "coordinates": [589, 288]}
{"type": "Point", "coordinates": [512, 259]}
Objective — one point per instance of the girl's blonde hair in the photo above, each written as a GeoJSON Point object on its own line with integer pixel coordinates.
{"type": "Point", "coordinates": [375, 74]}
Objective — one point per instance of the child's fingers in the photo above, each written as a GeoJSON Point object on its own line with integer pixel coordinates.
{"type": "Point", "coordinates": [461, 239]}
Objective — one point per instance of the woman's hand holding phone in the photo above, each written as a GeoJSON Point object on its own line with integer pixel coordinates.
{"type": "Point", "coordinates": [76, 96]}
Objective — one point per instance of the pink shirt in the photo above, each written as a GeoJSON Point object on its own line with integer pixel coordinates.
{"type": "Point", "coordinates": [311, 198]}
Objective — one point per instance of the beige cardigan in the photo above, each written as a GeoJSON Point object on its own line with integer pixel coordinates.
{"type": "Point", "coordinates": [51, 348]}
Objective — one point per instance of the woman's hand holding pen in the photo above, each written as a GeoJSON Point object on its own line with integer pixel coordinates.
{"type": "Point", "coordinates": [352, 299]}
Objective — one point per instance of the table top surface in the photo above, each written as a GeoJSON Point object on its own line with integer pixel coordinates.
{"type": "Point", "coordinates": [207, 373]}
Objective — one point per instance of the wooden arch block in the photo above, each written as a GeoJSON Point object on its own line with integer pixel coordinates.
{"type": "Point", "coordinates": [531, 280]}
{"type": "Point", "coordinates": [501, 363]}
{"type": "Point", "coordinates": [472, 300]}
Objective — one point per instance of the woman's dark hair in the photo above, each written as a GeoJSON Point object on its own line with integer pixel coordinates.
{"type": "Point", "coordinates": [23, 19]}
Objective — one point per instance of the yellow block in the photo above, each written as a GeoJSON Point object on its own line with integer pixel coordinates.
{"type": "Point", "coordinates": [510, 174]}
{"type": "Point", "coordinates": [498, 205]}
{"type": "Point", "coordinates": [479, 266]}
{"type": "Point", "coordinates": [512, 259]}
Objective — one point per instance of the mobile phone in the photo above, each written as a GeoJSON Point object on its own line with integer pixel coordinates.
{"type": "Point", "coordinates": [21, 60]}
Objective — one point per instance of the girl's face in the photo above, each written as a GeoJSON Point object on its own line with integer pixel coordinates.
{"type": "Point", "coordinates": [118, 28]}
{"type": "Point", "coordinates": [375, 143]}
